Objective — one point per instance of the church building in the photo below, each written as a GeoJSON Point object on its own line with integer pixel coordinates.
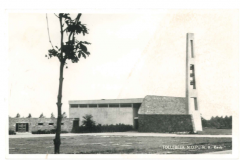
{"type": "Point", "coordinates": [151, 113]}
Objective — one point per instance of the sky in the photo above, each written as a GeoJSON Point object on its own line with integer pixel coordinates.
{"type": "Point", "coordinates": [132, 55]}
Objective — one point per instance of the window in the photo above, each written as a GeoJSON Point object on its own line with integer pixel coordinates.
{"type": "Point", "coordinates": [126, 105]}
{"type": "Point", "coordinates": [74, 106]}
{"type": "Point", "coordinates": [102, 105]}
{"type": "Point", "coordinates": [192, 54]}
{"type": "Point", "coordinates": [92, 106]}
{"type": "Point", "coordinates": [50, 124]}
{"type": "Point", "coordinates": [62, 123]}
{"type": "Point", "coordinates": [83, 105]}
{"type": "Point", "coordinates": [193, 103]}
{"type": "Point", "coordinates": [192, 75]}
{"type": "Point", "coordinates": [40, 124]}
{"type": "Point", "coordinates": [192, 67]}
{"type": "Point", "coordinates": [114, 105]}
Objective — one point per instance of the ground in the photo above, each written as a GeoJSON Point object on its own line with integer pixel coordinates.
{"type": "Point", "coordinates": [213, 131]}
{"type": "Point", "coordinates": [120, 144]}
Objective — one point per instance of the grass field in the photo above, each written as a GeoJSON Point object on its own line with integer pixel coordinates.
{"type": "Point", "coordinates": [212, 131]}
{"type": "Point", "coordinates": [119, 145]}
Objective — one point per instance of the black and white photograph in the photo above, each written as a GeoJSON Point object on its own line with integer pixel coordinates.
{"type": "Point", "coordinates": [159, 82]}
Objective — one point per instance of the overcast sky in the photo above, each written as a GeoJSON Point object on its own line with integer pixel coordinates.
{"type": "Point", "coordinates": [132, 55]}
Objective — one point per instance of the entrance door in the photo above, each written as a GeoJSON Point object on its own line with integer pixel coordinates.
{"type": "Point", "coordinates": [75, 126]}
{"type": "Point", "coordinates": [22, 127]}
{"type": "Point", "coordinates": [135, 125]}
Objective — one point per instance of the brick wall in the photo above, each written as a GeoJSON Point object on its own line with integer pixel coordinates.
{"type": "Point", "coordinates": [163, 105]}
{"type": "Point", "coordinates": [164, 123]}
{"type": "Point", "coordinates": [33, 123]}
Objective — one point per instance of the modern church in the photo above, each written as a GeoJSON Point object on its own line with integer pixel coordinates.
{"type": "Point", "coordinates": [149, 114]}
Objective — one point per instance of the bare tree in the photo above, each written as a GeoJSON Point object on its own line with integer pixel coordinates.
{"type": "Point", "coordinates": [71, 49]}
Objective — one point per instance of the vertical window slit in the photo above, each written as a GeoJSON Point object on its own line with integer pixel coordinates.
{"type": "Point", "coordinates": [193, 103]}
{"type": "Point", "coordinates": [192, 54]}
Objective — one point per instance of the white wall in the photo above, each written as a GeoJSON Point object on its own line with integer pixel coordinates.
{"type": "Point", "coordinates": [104, 115]}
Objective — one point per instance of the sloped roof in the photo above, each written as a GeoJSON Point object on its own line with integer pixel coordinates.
{"type": "Point", "coordinates": [163, 105]}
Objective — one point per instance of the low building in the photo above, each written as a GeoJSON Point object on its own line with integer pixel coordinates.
{"type": "Point", "coordinates": [35, 124]}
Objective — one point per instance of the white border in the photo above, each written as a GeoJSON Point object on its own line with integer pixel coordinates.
{"type": "Point", "coordinates": [105, 6]}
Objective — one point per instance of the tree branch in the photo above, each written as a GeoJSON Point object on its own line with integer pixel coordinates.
{"type": "Point", "coordinates": [69, 38]}
{"type": "Point", "coordinates": [60, 20]}
{"type": "Point", "coordinates": [48, 31]}
{"type": "Point", "coordinates": [56, 15]}
{"type": "Point", "coordinates": [73, 38]}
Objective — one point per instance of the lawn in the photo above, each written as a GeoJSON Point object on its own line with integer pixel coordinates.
{"type": "Point", "coordinates": [87, 144]}
{"type": "Point", "coordinates": [213, 131]}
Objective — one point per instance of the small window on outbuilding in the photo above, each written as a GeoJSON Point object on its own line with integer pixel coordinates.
{"type": "Point", "coordinates": [40, 124]}
{"type": "Point", "coordinates": [62, 123]}
{"type": "Point", "coordinates": [50, 124]}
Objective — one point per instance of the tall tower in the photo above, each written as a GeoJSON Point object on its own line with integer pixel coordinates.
{"type": "Point", "coordinates": [191, 88]}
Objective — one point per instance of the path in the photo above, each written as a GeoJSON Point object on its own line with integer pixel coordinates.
{"type": "Point", "coordinates": [29, 135]}
{"type": "Point", "coordinates": [220, 152]}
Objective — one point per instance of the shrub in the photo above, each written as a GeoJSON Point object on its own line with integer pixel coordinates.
{"type": "Point", "coordinates": [18, 115]}
{"type": "Point", "coordinates": [53, 131]}
{"type": "Point", "coordinates": [218, 122]}
{"type": "Point", "coordinates": [88, 123]}
{"type": "Point", "coordinates": [89, 126]}
{"type": "Point", "coordinates": [104, 128]}
{"type": "Point", "coordinates": [11, 132]}
{"type": "Point", "coordinates": [116, 128]}
{"type": "Point", "coordinates": [42, 116]}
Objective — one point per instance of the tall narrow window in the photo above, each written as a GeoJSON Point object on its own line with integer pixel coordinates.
{"type": "Point", "coordinates": [192, 76]}
{"type": "Point", "coordinates": [193, 103]}
{"type": "Point", "coordinates": [191, 43]}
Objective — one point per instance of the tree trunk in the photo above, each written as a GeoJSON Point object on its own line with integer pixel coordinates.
{"type": "Point", "coordinates": [57, 140]}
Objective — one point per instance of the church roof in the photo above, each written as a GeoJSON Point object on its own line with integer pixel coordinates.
{"type": "Point", "coordinates": [107, 101]}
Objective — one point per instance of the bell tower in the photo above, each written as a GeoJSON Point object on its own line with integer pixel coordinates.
{"type": "Point", "coordinates": [191, 88]}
